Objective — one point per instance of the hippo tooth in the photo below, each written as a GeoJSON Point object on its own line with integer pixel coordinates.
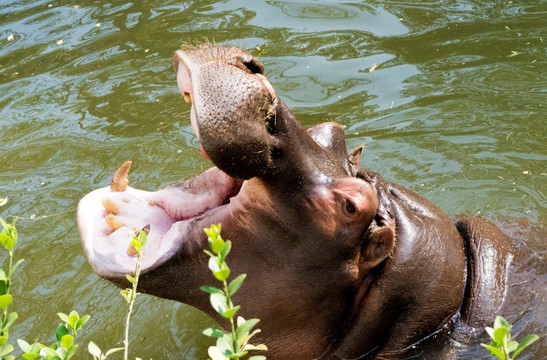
{"type": "Point", "coordinates": [187, 98]}
{"type": "Point", "coordinates": [110, 206]}
{"type": "Point", "coordinates": [119, 180]}
{"type": "Point", "coordinates": [113, 222]}
{"type": "Point", "coordinates": [131, 251]}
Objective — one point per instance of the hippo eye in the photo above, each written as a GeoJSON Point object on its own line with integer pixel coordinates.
{"type": "Point", "coordinates": [350, 207]}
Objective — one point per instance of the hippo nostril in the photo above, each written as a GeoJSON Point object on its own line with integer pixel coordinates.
{"type": "Point", "coordinates": [251, 64]}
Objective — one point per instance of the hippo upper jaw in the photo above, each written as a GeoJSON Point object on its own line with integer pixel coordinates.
{"type": "Point", "coordinates": [233, 107]}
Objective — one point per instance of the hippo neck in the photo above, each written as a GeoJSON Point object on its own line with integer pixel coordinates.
{"type": "Point", "coordinates": [486, 275]}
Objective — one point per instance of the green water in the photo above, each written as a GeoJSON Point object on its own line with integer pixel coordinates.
{"type": "Point", "coordinates": [455, 110]}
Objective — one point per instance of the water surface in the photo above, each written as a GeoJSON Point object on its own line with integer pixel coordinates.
{"type": "Point", "coordinates": [454, 109]}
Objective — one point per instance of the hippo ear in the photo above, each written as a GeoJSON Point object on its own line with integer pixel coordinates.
{"type": "Point", "coordinates": [377, 246]}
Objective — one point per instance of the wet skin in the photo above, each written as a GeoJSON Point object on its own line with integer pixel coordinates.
{"type": "Point", "coordinates": [341, 264]}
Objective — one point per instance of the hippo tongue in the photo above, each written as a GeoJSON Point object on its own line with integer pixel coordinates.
{"type": "Point", "coordinates": [203, 153]}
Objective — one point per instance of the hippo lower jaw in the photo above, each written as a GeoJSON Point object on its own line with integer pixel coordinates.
{"type": "Point", "coordinates": [109, 217]}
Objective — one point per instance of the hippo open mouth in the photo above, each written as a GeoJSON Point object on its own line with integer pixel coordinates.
{"type": "Point", "coordinates": [109, 218]}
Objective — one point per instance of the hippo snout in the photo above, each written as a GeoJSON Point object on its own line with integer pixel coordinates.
{"type": "Point", "coordinates": [233, 107]}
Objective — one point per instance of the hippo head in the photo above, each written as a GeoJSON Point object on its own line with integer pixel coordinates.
{"type": "Point", "coordinates": [311, 230]}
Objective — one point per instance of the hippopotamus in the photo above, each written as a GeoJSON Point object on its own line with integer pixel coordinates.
{"type": "Point", "coordinates": [340, 263]}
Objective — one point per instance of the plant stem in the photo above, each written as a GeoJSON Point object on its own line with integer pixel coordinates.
{"type": "Point", "coordinates": [131, 302]}
{"type": "Point", "coordinates": [231, 305]}
{"type": "Point", "coordinates": [8, 283]}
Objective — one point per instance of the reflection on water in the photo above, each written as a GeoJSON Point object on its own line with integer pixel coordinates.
{"type": "Point", "coordinates": [455, 110]}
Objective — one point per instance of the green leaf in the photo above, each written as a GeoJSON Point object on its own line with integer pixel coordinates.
{"type": "Point", "coordinates": [67, 341]}
{"type": "Point", "coordinates": [6, 350]}
{"type": "Point", "coordinates": [512, 345]}
{"type": "Point", "coordinates": [218, 302]}
{"type": "Point", "coordinates": [9, 320]}
{"type": "Point", "coordinates": [528, 339]}
{"type": "Point", "coordinates": [236, 284]}
{"type": "Point", "coordinates": [61, 352]}
{"type": "Point", "coordinates": [12, 270]}
{"type": "Point", "coordinates": [63, 316]}
{"type": "Point", "coordinates": [81, 322]}
{"type": "Point", "coordinates": [71, 351]}
{"type": "Point", "coordinates": [136, 244]}
{"type": "Point", "coordinates": [245, 327]}
{"type": "Point", "coordinates": [5, 301]}
{"type": "Point", "coordinates": [231, 312]}
{"type": "Point", "coordinates": [217, 245]}
{"type": "Point", "coordinates": [250, 347]}
{"type": "Point", "coordinates": [222, 274]}
{"type": "Point", "coordinates": [94, 350]}
{"type": "Point", "coordinates": [246, 339]}
{"type": "Point", "coordinates": [3, 340]}
{"type": "Point", "coordinates": [214, 333]}
{"type": "Point", "coordinates": [502, 336]}
{"type": "Point", "coordinates": [3, 276]}
{"type": "Point", "coordinates": [224, 345]}
{"type": "Point", "coordinates": [215, 354]}
{"type": "Point", "coordinates": [143, 239]}
{"type": "Point", "coordinates": [3, 201]}
{"type": "Point", "coordinates": [490, 332]}
{"type": "Point", "coordinates": [10, 231]}
{"type": "Point", "coordinates": [25, 346]}
{"type": "Point", "coordinates": [112, 351]}
{"type": "Point", "coordinates": [209, 253]}
{"type": "Point", "coordinates": [7, 241]}
{"type": "Point", "coordinates": [495, 351]}
{"type": "Point", "coordinates": [226, 250]}
{"type": "Point", "coordinates": [61, 331]}
{"type": "Point", "coordinates": [501, 322]}
{"type": "Point", "coordinates": [29, 356]}
{"type": "Point", "coordinates": [213, 264]}
{"type": "Point", "coordinates": [5, 226]}
{"type": "Point", "coordinates": [257, 357]}
{"type": "Point", "coordinates": [126, 294]}
{"type": "Point", "coordinates": [130, 278]}
{"type": "Point", "coordinates": [49, 352]}
{"type": "Point", "coordinates": [73, 317]}
{"type": "Point", "coordinates": [213, 231]}
{"type": "Point", "coordinates": [212, 290]}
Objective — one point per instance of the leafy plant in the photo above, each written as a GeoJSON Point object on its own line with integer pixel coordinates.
{"type": "Point", "coordinates": [64, 348]}
{"type": "Point", "coordinates": [501, 344]}
{"type": "Point", "coordinates": [233, 345]}
{"type": "Point", "coordinates": [130, 295]}
{"type": "Point", "coordinates": [8, 239]}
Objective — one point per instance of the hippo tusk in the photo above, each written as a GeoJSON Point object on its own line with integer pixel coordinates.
{"type": "Point", "coordinates": [119, 180]}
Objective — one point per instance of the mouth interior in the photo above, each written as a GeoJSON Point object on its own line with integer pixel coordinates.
{"type": "Point", "coordinates": [108, 219]}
